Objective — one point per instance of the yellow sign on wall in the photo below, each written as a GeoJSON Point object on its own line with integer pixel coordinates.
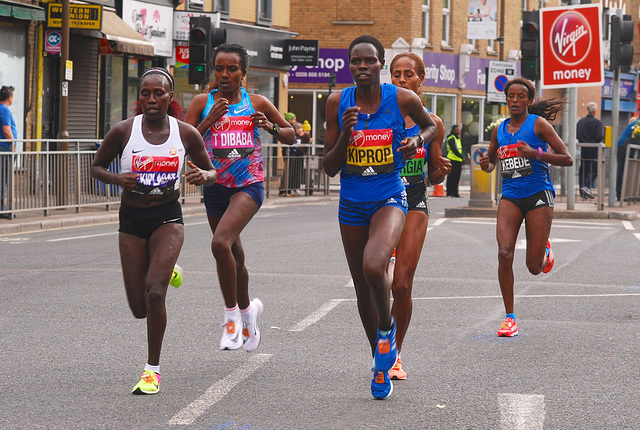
{"type": "Point", "coordinates": [86, 16]}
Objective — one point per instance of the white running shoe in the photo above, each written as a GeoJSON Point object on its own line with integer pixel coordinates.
{"type": "Point", "coordinates": [250, 329]}
{"type": "Point", "coordinates": [231, 333]}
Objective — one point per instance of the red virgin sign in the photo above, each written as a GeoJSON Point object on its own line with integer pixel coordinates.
{"type": "Point", "coordinates": [570, 39]}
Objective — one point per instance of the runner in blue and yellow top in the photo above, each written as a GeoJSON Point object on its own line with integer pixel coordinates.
{"type": "Point", "coordinates": [407, 71]}
{"type": "Point", "coordinates": [522, 143]}
{"type": "Point", "coordinates": [228, 119]}
{"type": "Point", "coordinates": [366, 142]}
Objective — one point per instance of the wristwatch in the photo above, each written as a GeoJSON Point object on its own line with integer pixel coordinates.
{"type": "Point", "coordinates": [420, 141]}
{"type": "Point", "coordinates": [275, 130]}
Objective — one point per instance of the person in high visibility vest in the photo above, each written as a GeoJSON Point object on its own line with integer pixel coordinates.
{"type": "Point", "coordinates": [454, 153]}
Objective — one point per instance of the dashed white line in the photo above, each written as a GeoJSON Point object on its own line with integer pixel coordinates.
{"type": "Point", "coordinates": [89, 236]}
{"type": "Point", "coordinates": [627, 225]}
{"type": "Point", "coordinates": [317, 315]}
{"type": "Point", "coordinates": [637, 235]}
{"type": "Point", "coordinates": [217, 391]}
{"type": "Point", "coordinates": [521, 411]}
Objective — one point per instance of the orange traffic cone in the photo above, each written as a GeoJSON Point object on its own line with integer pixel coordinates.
{"type": "Point", "coordinates": [438, 190]}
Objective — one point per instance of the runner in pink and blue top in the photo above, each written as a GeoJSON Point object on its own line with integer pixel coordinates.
{"type": "Point", "coordinates": [228, 118]}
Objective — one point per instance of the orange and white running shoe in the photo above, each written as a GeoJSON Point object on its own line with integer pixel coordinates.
{"type": "Point", "coordinates": [397, 372]}
{"type": "Point", "coordinates": [550, 259]}
{"type": "Point", "coordinates": [509, 328]}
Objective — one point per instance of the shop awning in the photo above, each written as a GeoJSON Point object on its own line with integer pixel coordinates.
{"type": "Point", "coordinates": [126, 39]}
{"type": "Point", "coordinates": [21, 11]}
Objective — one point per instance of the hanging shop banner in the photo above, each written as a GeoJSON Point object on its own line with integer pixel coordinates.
{"type": "Point", "coordinates": [571, 46]}
{"type": "Point", "coordinates": [482, 19]}
{"type": "Point", "coordinates": [152, 21]}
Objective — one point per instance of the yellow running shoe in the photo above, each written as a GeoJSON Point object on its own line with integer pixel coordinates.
{"type": "Point", "coordinates": [397, 372]}
{"type": "Point", "coordinates": [149, 383]}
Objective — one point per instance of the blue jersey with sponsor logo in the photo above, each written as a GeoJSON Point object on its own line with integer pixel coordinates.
{"type": "Point", "coordinates": [413, 172]}
{"type": "Point", "coordinates": [372, 168]}
{"type": "Point", "coordinates": [522, 177]}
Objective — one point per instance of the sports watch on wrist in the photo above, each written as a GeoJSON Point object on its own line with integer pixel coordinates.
{"type": "Point", "coordinates": [275, 130]}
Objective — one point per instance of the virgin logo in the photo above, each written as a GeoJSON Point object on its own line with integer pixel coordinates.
{"type": "Point", "coordinates": [223, 124]}
{"type": "Point", "coordinates": [143, 164]}
{"type": "Point", "coordinates": [570, 38]}
{"type": "Point", "coordinates": [357, 139]}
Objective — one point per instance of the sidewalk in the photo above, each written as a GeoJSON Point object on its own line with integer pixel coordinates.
{"type": "Point", "coordinates": [27, 222]}
{"type": "Point", "coordinates": [64, 218]}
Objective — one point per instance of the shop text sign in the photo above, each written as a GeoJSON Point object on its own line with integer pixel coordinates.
{"type": "Point", "coordinates": [571, 46]}
{"type": "Point", "coordinates": [86, 16]}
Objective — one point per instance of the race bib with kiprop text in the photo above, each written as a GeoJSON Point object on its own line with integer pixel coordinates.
{"type": "Point", "coordinates": [370, 152]}
{"type": "Point", "coordinates": [512, 165]}
{"type": "Point", "coordinates": [232, 137]}
{"type": "Point", "coordinates": [156, 175]}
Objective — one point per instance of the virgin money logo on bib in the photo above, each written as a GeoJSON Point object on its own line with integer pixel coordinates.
{"type": "Point", "coordinates": [357, 139]}
{"type": "Point", "coordinates": [146, 163]}
{"type": "Point", "coordinates": [571, 38]}
{"type": "Point", "coordinates": [222, 124]}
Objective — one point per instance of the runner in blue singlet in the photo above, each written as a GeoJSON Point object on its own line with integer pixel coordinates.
{"type": "Point", "coordinates": [366, 143]}
{"type": "Point", "coordinates": [521, 143]}
{"type": "Point", "coordinates": [407, 71]}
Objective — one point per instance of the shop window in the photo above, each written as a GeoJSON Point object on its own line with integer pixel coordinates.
{"type": "Point", "coordinates": [470, 123]}
{"type": "Point", "coordinates": [264, 12]}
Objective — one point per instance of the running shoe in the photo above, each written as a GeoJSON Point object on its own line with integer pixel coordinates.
{"type": "Point", "coordinates": [250, 330]}
{"type": "Point", "coordinates": [397, 372]}
{"type": "Point", "coordinates": [381, 385]}
{"type": "Point", "coordinates": [386, 351]}
{"type": "Point", "coordinates": [149, 383]}
{"type": "Point", "coordinates": [550, 259]}
{"type": "Point", "coordinates": [232, 333]}
{"type": "Point", "coordinates": [509, 328]}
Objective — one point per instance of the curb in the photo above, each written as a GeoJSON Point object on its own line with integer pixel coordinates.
{"type": "Point", "coordinates": [463, 211]}
{"type": "Point", "coordinates": [76, 220]}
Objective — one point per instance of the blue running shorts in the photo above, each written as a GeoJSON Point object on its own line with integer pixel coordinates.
{"type": "Point", "coordinates": [217, 197]}
{"type": "Point", "coordinates": [360, 213]}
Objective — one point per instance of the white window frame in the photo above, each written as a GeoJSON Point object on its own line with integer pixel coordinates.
{"type": "Point", "coordinates": [446, 23]}
{"type": "Point", "coordinates": [425, 20]}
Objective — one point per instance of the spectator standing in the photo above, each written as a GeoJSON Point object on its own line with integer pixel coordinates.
{"type": "Point", "coordinates": [9, 131]}
{"type": "Point", "coordinates": [287, 181]}
{"type": "Point", "coordinates": [589, 130]}
{"type": "Point", "coordinates": [454, 153]}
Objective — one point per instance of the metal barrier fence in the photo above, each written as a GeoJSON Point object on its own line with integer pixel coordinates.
{"type": "Point", "coordinates": [46, 179]}
{"type": "Point", "coordinates": [631, 179]}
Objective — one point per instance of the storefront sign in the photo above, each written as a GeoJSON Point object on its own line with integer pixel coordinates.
{"type": "Point", "coordinates": [52, 42]}
{"type": "Point", "coordinates": [85, 16]}
{"type": "Point", "coordinates": [626, 88]}
{"type": "Point", "coordinates": [329, 61]}
{"type": "Point", "coordinates": [264, 46]}
{"type": "Point", "coordinates": [301, 52]}
{"type": "Point", "coordinates": [153, 22]}
{"type": "Point", "coordinates": [571, 39]}
{"type": "Point", "coordinates": [181, 23]}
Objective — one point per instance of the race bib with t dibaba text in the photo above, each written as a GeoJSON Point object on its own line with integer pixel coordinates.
{"type": "Point", "coordinates": [232, 137]}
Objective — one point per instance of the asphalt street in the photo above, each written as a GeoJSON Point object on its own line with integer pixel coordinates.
{"type": "Point", "coordinates": [71, 350]}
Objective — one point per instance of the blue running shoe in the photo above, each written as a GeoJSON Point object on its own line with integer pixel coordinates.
{"type": "Point", "coordinates": [386, 352]}
{"type": "Point", "coordinates": [381, 385]}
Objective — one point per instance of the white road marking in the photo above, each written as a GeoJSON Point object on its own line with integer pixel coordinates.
{"type": "Point", "coordinates": [438, 222]}
{"type": "Point", "coordinates": [217, 391]}
{"type": "Point", "coordinates": [317, 315]}
{"type": "Point", "coordinates": [627, 225]}
{"type": "Point", "coordinates": [349, 284]}
{"type": "Point", "coordinates": [80, 237]}
{"type": "Point", "coordinates": [637, 235]}
{"type": "Point", "coordinates": [521, 411]}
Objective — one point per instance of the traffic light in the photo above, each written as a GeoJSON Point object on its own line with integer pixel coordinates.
{"type": "Point", "coordinates": [621, 38]}
{"type": "Point", "coordinates": [530, 45]}
{"type": "Point", "coordinates": [199, 49]}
